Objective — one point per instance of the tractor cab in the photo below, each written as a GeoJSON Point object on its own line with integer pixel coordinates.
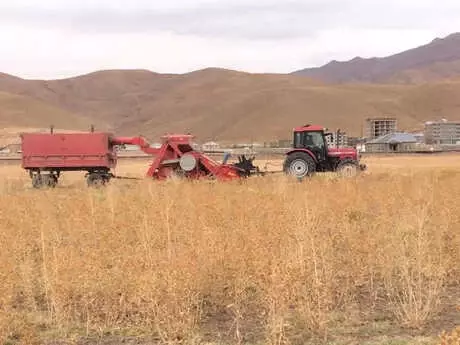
{"type": "Point", "coordinates": [312, 138]}
{"type": "Point", "coordinates": [310, 153]}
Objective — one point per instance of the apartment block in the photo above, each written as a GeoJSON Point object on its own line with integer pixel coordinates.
{"type": "Point", "coordinates": [442, 133]}
{"type": "Point", "coordinates": [337, 139]}
{"type": "Point", "coordinates": [377, 127]}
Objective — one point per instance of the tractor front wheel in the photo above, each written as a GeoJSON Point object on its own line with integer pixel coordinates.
{"type": "Point", "coordinates": [299, 165]}
{"type": "Point", "coordinates": [347, 169]}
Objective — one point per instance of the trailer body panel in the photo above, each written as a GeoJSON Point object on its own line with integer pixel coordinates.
{"type": "Point", "coordinates": [67, 151]}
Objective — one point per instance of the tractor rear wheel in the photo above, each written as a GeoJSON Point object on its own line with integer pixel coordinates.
{"type": "Point", "coordinates": [299, 164]}
{"type": "Point", "coordinates": [347, 169]}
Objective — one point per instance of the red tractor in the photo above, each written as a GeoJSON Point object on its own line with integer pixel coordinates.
{"type": "Point", "coordinates": [311, 154]}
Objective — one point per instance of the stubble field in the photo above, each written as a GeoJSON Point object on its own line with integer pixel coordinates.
{"type": "Point", "coordinates": [370, 260]}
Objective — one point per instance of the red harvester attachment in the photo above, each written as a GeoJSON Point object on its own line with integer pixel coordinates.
{"type": "Point", "coordinates": [176, 157]}
{"type": "Point", "coordinates": [46, 155]}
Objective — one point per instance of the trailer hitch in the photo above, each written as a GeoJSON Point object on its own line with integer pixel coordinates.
{"type": "Point", "coordinates": [126, 178]}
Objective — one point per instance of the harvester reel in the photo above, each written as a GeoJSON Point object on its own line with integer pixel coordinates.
{"type": "Point", "coordinates": [188, 162]}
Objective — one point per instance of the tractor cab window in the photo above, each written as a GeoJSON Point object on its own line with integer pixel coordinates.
{"type": "Point", "coordinates": [298, 136]}
{"type": "Point", "coordinates": [318, 139]}
{"type": "Point", "coordinates": [309, 140]}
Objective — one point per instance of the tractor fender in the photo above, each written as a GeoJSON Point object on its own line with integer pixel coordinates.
{"type": "Point", "coordinates": [303, 150]}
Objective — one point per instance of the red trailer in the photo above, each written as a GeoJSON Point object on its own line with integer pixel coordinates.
{"type": "Point", "coordinates": [46, 155]}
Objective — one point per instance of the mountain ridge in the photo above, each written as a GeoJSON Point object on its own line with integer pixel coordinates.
{"type": "Point", "coordinates": [386, 69]}
{"type": "Point", "coordinates": [224, 105]}
{"type": "Point", "coordinates": [228, 105]}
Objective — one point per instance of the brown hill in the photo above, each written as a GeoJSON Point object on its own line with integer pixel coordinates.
{"type": "Point", "coordinates": [437, 60]}
{"type": "Point", "coordinates": [435, 72]}
{"type": "Point", "coordinates": [22, 111]}
{"type": "Point", "coordinates": [221, 104]}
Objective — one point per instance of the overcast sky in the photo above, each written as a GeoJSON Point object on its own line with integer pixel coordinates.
{"type": "Point", "coordinates": [60, 38]}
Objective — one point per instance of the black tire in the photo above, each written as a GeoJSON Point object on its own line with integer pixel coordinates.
{"type": "Point", "coordinates": [299, 165]}
{"type": "Point", "coordinates": [95, 180]}
{"type": "Point", "coordinates": [347, 168]}
{"type": "Point", "coordinates": [44, 181]}
{"type": "Point", "coordinates": [37, 181]}
{"type": "Point", "coordinates": [49, 181]}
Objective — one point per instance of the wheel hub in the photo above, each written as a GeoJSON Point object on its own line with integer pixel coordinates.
{"type": "Point", "coordinates": [299, 167]}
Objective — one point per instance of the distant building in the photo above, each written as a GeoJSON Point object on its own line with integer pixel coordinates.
{"type": "Point", "coordinates": [420, 137]}
{"type": "Point", "coordinates": [285, 143]}
{"type": "Point", "coordinates": [393, 142]}
{"type": "Point", "coordinates": [361, 147]}
{"type": "Point", "coordinates": [11, 149]}
{"type": "Point", "coordinates": [442, 133]}
{"type": "Point", "coordinates": [355, 141]}
{"type": "Point", "coordinates": [377, 127]}
{"type": "Point", "coordinates": [210, 146]}
{"type": "Point", "coordinates": [337, 139]}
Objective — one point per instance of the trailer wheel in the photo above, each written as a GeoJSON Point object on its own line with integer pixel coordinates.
{"type": "Point", "coordinates": [95, 180]}
{"type": "Point", "coordinates": [37, 181]}
{"type": "Point", "coordinates": [49, 180]}
{"type": "Point", "coordinates": [44, 181]}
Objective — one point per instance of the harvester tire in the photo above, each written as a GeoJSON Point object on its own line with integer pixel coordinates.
{"type": "Point", "coordinates": [299, 165]}
{"type": "Point", "coordinates": [347, 168]}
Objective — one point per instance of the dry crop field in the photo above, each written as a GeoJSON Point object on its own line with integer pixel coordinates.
{"type": "Point", "coordinates": [372, 260]}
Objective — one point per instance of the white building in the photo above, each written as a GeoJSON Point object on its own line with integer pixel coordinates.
{"type": "Point", "coordinates": [442, 132]}
{"type": "Point", "coordinates": [211, 146]}
{"type": "Point", "coordinates": [336, 140]}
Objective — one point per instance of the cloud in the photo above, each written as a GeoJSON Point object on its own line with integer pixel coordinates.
{"type": "Point", "coordinates": [256, 19]}
{"type": "Point", "coordinates": [59, 38]}
{"type": "Point", "coordinates": [248, 20]}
